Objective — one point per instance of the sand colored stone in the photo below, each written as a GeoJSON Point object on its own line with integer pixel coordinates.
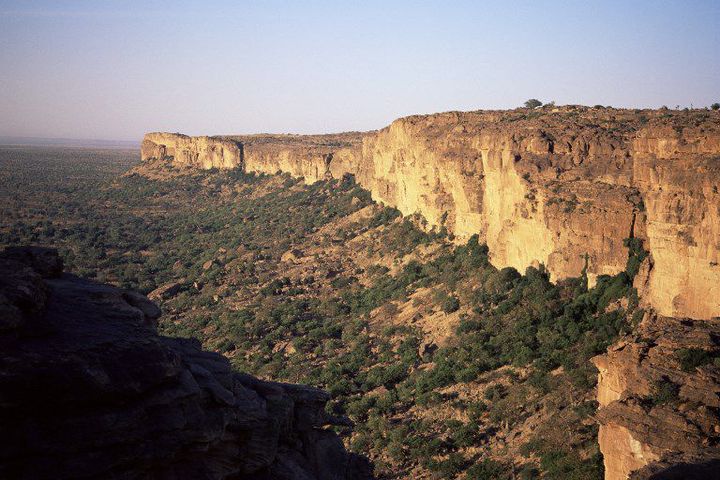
{"type": "Point", "coordinates": [556, 188]}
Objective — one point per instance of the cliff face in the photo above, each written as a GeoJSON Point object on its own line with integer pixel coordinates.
{"type": "Point", "coordinates": [683, 228]}
{"type": "Point", "coordinates": [89, 390]}
{"type": "Point", "coordinates": [563, 187]}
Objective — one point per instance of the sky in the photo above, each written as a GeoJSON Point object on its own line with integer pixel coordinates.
{"type": "Point", "coordinates": [99, 69]}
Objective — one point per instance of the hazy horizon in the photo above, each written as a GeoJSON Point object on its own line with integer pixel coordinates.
{"type": "Point", "coordinates": [13, 141]}
{"type": "Point", "coordinates": [113, 71]}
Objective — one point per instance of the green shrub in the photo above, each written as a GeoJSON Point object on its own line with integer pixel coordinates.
{"type": "Point", "coordinates": [450, 467]}
{"type": "Point", "coordinates": [495, 393]}
{"type": "Point", "coordinates": [384, 217]}
{"type": "Point", "coordinates": [636, 255]}
{"type": "Point", "coordinates": [475, 410]}
{"type": "Point", "coordinates": [488, 470]}
{"type": "Point", "coordinates": [569, 466]}
{"type": "Point", "coordinates": [664, 392]}
{"type": "Point", "coordinates": [450, 304]}
{"type": "Point", "coordinates": [466, 435]}
{"type": "Point", "coordinates": [691, 358]}
{"type": "Point", "coordinates": [528, 472]}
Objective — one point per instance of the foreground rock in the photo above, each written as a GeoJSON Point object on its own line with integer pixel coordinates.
{"type": "Point", "coordinates": [659, 416]}
{"type": "Point", "coordinates": [89, 390]}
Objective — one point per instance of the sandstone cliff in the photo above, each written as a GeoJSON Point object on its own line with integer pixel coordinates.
{"type": "Point", "coordinates": [202, 152]}
{"type": "Point", "coordinates": [561, 187]}
{"type": "Point", "coordinates": [89, 390]}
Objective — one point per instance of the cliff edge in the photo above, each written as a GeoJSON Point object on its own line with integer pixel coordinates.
{"type": "Point", "coordinates": [88, 389]}
{"type": "Point", "coordinates": [563, 187]}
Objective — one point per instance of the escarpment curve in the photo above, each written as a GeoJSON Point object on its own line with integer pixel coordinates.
{"type": "Point", "coordinates": [562, 187]}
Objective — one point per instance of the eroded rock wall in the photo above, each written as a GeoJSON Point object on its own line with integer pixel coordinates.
{"type": "Point", "coordinates": [201, 152]}
{"type": "Point", "coordinates": [683, 230]}
{"type": "Point", "coordinates": [560, 187]}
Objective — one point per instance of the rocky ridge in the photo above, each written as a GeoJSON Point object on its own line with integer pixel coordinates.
{"type": "Point", "coordinates": [89, 390]}
{"type": "Point", "coordinates": [561, 187]}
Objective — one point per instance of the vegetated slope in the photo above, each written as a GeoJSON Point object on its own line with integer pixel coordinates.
{"type": "Point", "coordinates": [448, 366]}
{"type": "Point", "coordinates": [563, 187]}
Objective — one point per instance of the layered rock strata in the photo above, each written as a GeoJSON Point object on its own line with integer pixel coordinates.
{"type": "Point", "coordinates": [89, 390]}
{"type": "Point", "coordinates": [561, 187]}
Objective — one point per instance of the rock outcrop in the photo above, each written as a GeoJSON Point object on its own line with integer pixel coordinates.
{"type": "Point", "coordinates": [561, 187]}
{"type": "Point", "coordinates": [657, 414]}
{"type": "Point", "coordinates": [88, 389]}
{"type": "Point", "coordinates": [201, 152]}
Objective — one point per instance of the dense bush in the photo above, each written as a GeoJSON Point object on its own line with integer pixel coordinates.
{"type": "Point", "coordinates": [488, 470]}
{"type": "Point", "coordinates": [664, 391]}
{"type": "Point", "coordinates": [691, 358]}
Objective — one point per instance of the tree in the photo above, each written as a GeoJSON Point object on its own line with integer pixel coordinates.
{"type": "Point", "coordinates": [533, 103]}
{"type": "Point", "coordinates": [715, 106]}
{"type": "Point", "coordinates": [451, 304]}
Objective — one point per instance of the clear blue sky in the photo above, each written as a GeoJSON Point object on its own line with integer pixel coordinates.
{"type": "Point", "coordinates": [113, 70]}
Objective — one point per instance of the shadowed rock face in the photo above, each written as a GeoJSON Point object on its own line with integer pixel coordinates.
{"type": "Point", "coordinates": [89, 390]}
{"type": "Point", "coordinates": [556, 187]}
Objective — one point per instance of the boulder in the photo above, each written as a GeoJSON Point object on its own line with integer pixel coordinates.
{"type": "Point", "coordinates": [166, 291]}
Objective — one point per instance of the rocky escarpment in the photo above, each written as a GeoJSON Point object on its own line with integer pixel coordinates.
{"type": "Point", "coordinates": [89, 390]}
{"type": "Point", "coordinates": [659, 395]}
{"type": "Point", "coordinates": [565, 187]}
{"type": "Point", "coordinates": [561, 187]}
